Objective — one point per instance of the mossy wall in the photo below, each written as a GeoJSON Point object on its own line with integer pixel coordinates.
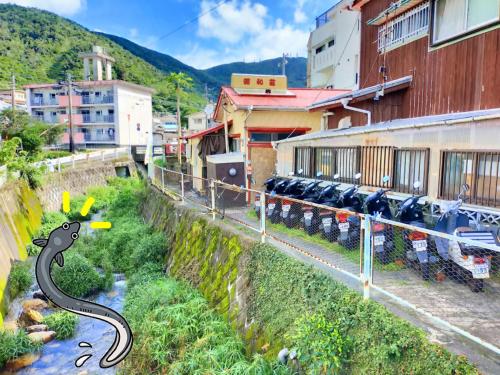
{"type": "Point", "coordinates": [263, 293]}
{"type": "Point", "coordinates": [20, 217]}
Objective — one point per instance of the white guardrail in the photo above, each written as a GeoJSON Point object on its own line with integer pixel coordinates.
{"type": "Point", "coordinates": [55, 164]}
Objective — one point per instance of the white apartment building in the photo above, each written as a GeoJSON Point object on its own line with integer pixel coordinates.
{"type": "Point", "coordinates": [334, 48]}
{"type": "Point", "coordinates": [201, 120]}
{"type": "Point", "coordinates": [106, 112]}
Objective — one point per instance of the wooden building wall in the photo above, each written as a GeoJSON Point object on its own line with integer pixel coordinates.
{"type": "Point", "coordinates": [458, 77]}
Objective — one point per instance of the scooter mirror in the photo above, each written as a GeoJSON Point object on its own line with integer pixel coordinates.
{"type": "Point", "coordinates": [357, 176]}
{"type": "Point", "coordinates": [319, 174]}
{"type": "Point", "coordinates": [291, 173]}
{"type": "Point", "coordinates": [300, 171]}
{"type": "Point", "coordinates": [386, 179]}
{"type": "Point", "coordinates": [416, 185]}
{"type": "Point", "coordinates": [336, 176]}
{"type": "Point", "coordinates": [465, 188]}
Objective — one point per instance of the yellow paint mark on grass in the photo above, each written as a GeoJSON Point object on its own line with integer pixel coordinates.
{"type": "Point", "coordinates": [100, 225]}
{"type": "Point", "coordinates": [66, 201]}
{"type": "Point", "coordinates": [87, 206]}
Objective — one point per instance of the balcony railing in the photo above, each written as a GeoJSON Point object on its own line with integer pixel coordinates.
{"type": "Point", "coordinates": [89, 137]}
{"type": "Point", "coordinates": [107, 99]}
{"type": "Point", "coordinates": [38, 118]}
{"type": "Point", "coordinates": [37, 101]}
{"type": "Point", "coordinates": [90, 119]}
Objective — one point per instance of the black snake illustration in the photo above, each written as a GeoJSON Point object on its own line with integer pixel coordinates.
{"type": "Point", "coordinates": [60, 240]}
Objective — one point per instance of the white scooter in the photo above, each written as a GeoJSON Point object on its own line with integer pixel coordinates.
{"type": "Point", "coordinates": [465, 262]}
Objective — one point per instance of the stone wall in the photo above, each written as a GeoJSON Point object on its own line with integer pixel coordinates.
{"type": "Point", "coordinates": [77, 181]}
{"type": "Point", "coordinates": [20, 218]}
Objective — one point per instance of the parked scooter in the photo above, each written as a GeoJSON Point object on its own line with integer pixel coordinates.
{"type": "Point", "coordinates": [377, 205]}
{"type": "Point", "coordinates": [292, 211]}
{"type": "Point", "coordinates": [419, 249]}
{"type": "Point", "coordinates": [270, 183]}
{"type": "Point", "coordinates": [274, 204]}
{"type": "Point", "coordinates": [468, 263]}
{"type": "Point", "coordinates": [348, 225]}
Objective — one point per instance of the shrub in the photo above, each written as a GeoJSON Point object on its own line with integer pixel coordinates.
{"type": "Point", "coordinates": [78, 277]}
{"type": "Point", "coordinates": [63, 323]}
{"type": "Point", "coordinates": [50, 221]}
{"type": "Point", "coordinates": [13, 345]}
{"type": "Point", "coordinates": [151, 248]}
{"type": "Point", "coordinates": [20, 279]}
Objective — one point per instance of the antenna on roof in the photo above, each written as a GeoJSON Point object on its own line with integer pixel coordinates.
{"type": "Point", "coordinates": [283, 63]}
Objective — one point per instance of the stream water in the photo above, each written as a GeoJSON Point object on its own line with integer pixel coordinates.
{"type": "Point", "coordinates": [58, 357]}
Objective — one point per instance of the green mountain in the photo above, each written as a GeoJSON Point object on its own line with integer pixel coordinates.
{"type": "Point", "coordinates": [39, 46]}
{"type": "Point", "coordinates": [218, 75]}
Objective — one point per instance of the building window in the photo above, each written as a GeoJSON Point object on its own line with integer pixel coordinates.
{"type": "Point", "coordinates": [403, 166]}
{"type": "Point", "coordinates": [234, 145]}
{"type": "Point", "coordinates": [480, 170]}
{"type": "Point", "coordinates": [272, 137]}
{"type": "Point", "coordinates": [331, 43]}
{"type": "Point", "coordinates": [320, 49]}
{"type": "Point", "coordinates": [453, 18]}
{"type": "Point", "coordinates": [403, 28]}
{"type": "Point", "coordinates": [410, 166]}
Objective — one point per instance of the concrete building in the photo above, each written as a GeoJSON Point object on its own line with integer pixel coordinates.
{"type": "Point", "coordinates": [106, 112]}
{"type": "Point", "coordinates": [201, 120]}
{"type": "Point", "coordinates": [257, 111]}
{"type": "Point", "coordinates": [334, 49]}
{"type": "Point", "coordinates": [427, 110]}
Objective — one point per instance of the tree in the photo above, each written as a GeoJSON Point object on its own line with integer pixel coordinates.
{"type": "Point", "coordinates": [181, 82]}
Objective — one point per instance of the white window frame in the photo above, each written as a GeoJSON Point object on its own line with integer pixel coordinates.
{"type": "Point", "coordinates": [410, 25]}
{"type": "Point", "coordinates": [465, 30]}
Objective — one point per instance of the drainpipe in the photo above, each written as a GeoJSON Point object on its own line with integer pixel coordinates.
{"type": "Point", "coordinates": [245, 149]}
{"type": "Point", "coordinates": [345, 103]}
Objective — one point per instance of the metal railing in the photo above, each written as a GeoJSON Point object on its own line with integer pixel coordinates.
{"type": "Point", "coordinates": [91, 119]}
{"type": "Point", "coordinates": [407, 26]}
{"type": "Point", "coordinates": [433, 273]}
{"type": "Point", "coordinates": [37, 101]}
{"type": "Point", "coordinates": [106, 99]}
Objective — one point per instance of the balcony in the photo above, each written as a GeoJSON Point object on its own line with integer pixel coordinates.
{"type": "Point", "coordinates": [98, 138]}
{"type": "Point", "coordinates": [77, 119]}
{"type": "Point", "coordinates": [77, 138]}
{"type": "Point", "coordinates": [76, 100]}
{"type": "Point", "coordinates": [107, 99]}
{"type": "Point", "coordinates": [37, 101]}
{"type": "Point", "coordinates": [103, 119]}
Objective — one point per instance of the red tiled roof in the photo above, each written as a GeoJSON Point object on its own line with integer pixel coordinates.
{"type": "Point", "coordinates": [205, 132]}
{"type": "Point", "coordinates": [298, 98]}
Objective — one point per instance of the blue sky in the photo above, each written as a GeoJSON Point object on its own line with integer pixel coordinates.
{"type": "Point", "coordinates": [239, 30]}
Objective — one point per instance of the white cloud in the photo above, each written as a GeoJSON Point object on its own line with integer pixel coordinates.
{"type": "Point", "coordinates": [299, 16]}
{"type": "Point", "coordinates": [62, 7]}
{"type": "Point", "coordinates": [246, 33]}
{"type": "Point", "coordinates": [148, 41]}
{"type": "Point", "coordinates": [133, 32]}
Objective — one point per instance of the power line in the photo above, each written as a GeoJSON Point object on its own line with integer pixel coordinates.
{"type": "Point", "coordinates": [193, 20]}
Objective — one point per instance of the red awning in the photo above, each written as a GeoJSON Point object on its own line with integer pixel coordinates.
{"type": "Point", "coordinates": [202, 133]}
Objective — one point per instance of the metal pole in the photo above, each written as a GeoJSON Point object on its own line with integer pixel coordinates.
{"type": "Point", "coordinates": [212, 192]}
{"type": "Point", "coordinates": [13, 101]}
{"type": "Point", "coordinates": [367, 274]}
{"type": "Point", "coordinates": [182, 186]}
{"type": "Point", "coordinates": [179, 129]}
{"type": "Point", "coordinates": [162, 180]}
{"type": "Point", "coordinates": [70, 115]}
{"type": "Point", "coordinates": [263, 217]}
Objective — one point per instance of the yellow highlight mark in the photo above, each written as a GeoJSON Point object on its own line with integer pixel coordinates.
{"type": "Point", "coordinates": [65, 197]}
{"type": "Point", "coordinates": [100, 225]}
{"type": "Point", "coordinates": [87, 206]}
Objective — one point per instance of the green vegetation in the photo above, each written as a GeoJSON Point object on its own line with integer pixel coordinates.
{"type": "Point", "coordinates": [63, 323]}
{"type": "Point", "coordinates": [20, 279]}
{"type": "Point", "coordinates": [179, 333]}
{"type": "Point", "coordinates": [13, 345]}
{"type": "Point", "coordinates": [221, 74]}
{"type": "Point", "coordinates": [38, 46]}
{"type": "Point", "coordinates": [363, 337]}
{"type": "Point", "coordinates": [78, 277]}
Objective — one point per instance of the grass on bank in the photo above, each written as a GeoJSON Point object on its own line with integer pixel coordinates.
{"type": "Point", "coordinates": [14, 345]}
{"type": "Point", "coordinates": [63, 323]}
{"type": "Point", "coordinates": [20, 279]}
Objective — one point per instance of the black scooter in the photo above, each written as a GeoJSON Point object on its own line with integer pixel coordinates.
{"type": "Point", "coordinates": [290, 210]}
{"type": "Point", "coordinates": [270, 183]}
{"type": "Point", "coordinates": [377, 205]}
{"type": "Point", "coordinates": [419, 249]}
{"type": "Point", "coordinates": [349, 225]}
{"type": "Point", "coordinates": [274, 204]}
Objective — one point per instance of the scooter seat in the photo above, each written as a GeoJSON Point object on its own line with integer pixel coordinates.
{"type": "Point", "coordinates": [480, 236]}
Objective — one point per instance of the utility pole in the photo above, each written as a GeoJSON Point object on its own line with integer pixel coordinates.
{"type": "Point", "coordinates": [70, 114]}
{"type": "Point", "coordinates": [13, 99]}
{"type": "Point", "coordinates": [283, 63]}
{"type": "Point", "coordinates": [206, 92]}
{"type": "Point", "coordinates": [179, 129]}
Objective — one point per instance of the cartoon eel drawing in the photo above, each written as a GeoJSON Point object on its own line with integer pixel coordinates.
{"type": "Point", "coordinates": [60, 240]}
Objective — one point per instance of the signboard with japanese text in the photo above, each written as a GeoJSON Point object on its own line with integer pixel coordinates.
{"type": "Point", "coordinates": [259, 82]}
